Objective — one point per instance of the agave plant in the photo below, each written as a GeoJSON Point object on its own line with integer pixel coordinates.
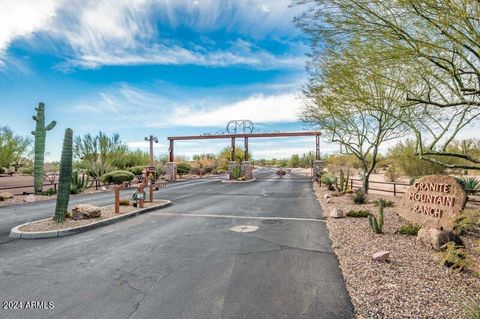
{"type": "Point", "coordinates": [329, 180]}
{"type": "Point", "coordinates": [469, 184]}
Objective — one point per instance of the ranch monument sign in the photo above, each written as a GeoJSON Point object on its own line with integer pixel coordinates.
{"type": "Point", "coordinates": [433, 201]}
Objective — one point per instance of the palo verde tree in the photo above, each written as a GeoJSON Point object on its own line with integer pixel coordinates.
{"type": "Point", "coordinates": [357, 109]}
{"type": "Point", "coordinates": [439, 41]}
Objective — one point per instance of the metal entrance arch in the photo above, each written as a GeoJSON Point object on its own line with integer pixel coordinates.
{"type": "Point", "coordinates": [233, 137]}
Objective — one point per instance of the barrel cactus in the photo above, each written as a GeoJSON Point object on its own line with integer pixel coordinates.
{"type": "Point", "coordinates": [40, 134]}
{"type": "Point", "coordinates": [63, 194]}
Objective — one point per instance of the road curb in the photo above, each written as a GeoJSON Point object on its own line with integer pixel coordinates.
{"type": "Point", "coordinates": [229, 181]}
{"type": "Point", "coordinates": [15, 233]}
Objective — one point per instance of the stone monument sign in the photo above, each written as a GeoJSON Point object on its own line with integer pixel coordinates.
{"type": "Point", "coordinates": [433, 201]}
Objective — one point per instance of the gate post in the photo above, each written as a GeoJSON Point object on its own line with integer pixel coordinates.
{"type": "Point", "coordinates": [171, 171]}
{"type": "Point", "coordinates": [317, 168]}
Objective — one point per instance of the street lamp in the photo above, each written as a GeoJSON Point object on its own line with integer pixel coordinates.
{"type": "Point", "coordinates": [152, 139]}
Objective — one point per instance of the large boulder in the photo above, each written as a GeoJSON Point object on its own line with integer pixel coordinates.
{"type": "Point", "coordinates": [5, 195]}
{"type": "Point", "coordinates": [85, 211]}
{"type": "Point", "coordinates": [436, 238]}
{"type": "Point", "coordinates": [337, 213]}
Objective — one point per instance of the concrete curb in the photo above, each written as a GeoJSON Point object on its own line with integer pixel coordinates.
{"type": "Point", "coordinates": [18, 234]}
{"type": "Point", "coordinates": [228, 181]}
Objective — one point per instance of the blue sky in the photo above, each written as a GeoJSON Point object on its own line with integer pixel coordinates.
{"type": "Point", "coordinates": [154, 67]}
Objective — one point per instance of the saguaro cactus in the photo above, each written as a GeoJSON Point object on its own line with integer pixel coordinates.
{"type": "Point", "coordinates": [63, 194]}
{"type": "Point", "coordinates": [40, 134]}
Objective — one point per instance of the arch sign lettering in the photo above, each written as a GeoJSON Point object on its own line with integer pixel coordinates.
{"type": "Point", "coordinates": [433, 201]}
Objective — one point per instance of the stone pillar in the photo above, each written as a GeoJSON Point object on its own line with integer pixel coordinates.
{"type": "Point", "coordinates": [171, 171]}
{"type": "Point", "coordinates": [317, 168]}
{"type": "Point", "coordinates": [246, 170]}
{"type": "Point", "coordinates": [231, 167]}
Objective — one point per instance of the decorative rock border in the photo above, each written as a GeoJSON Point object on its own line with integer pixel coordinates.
{"type": "Point", "coordinates": [18, 234]}
{"type": "Point", "coordinates": [230, 181]}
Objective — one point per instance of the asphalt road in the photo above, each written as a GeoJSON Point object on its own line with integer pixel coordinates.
{"type": "Point", "coordinates": [183, 261]}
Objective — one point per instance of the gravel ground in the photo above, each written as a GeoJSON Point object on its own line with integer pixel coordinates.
{"type": "Point", "coordinates": [412, 285]}
{"type": "Point", "coordinates": [107, 212]}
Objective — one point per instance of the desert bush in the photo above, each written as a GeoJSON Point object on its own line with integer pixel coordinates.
{"type": "Point", "coordinates": [472, 309]}
{"type": "Point", "coordinates": [137, 170]}
{"type": "Point", "coordinates": [358, 213]}
{"type": "Point", "coordinates": [117, 177]}
{"type": "Point", "coordinates": [358, 197]}
{"type": "Point", "coordinates": [329, 180]}
{"type": "Point", "coordinates": [404, 155]}
{"type": "Point", "coordinates": [391, 174]}
{"type": "Point", "coordinates": [454, 257]}
{"type": "Point", "coordinates": [409, 229]}
{"type": "Point", "coordinates": [468, 221]}
{"type": "Point", "coordinates": [183, 169]}
{"type": "Point", "coordinates": [469, 184]}
{"type": "Point", "coordinates": [27, 170]}
{"type": "Point", "coordinates": [236, 172]}
{"type": "Point", "coordinates": [49, 192]}
{"type": "Point", "coordinates": [124, 202]}
{"type": "Point", "coordinates": [383, 202]}
{"type": "Point", "coordinates": [160, 169]}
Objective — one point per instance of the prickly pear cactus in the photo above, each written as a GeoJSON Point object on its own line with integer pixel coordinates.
{"type": "Point", "coordinates": [40, 134]}
{"type": "Point", "coordinates": [63, 194]}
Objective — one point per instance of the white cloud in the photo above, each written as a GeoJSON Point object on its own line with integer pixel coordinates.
{"type": "Point", "coordinates": [92, 33]}
{"type": "Point", "coordinates": [213, 109]}
{"type": "Point", "coordinates": [258, 108]}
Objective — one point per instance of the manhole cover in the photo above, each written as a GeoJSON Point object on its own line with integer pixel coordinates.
{"type": "Point", "coordinates": [244, 228]}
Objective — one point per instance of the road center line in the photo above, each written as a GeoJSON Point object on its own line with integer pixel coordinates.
{"type": "Point", "coordinates": [239, 217]}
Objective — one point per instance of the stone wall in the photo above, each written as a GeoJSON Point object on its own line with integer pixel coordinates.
{"type": "Point", "coordinates": [171, 171]}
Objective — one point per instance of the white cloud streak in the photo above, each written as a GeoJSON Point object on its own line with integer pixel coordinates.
{"type": "Point", "coordinates": [93, 33]}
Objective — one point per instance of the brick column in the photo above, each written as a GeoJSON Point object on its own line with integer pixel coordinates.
{"type": "Point", "coordinates": [247, 170]}
{"type": "Point", "coordinates": [171, 171]}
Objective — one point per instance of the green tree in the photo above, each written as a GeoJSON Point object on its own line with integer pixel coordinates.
{"type": "Point", "coordinates": [436, 41]}
{"type": "Point", "coordinates": [7, 146]}
{"type": "Point", "coordinates": [358, 109]}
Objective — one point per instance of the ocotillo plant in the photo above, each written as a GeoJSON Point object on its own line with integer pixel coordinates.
{"type": "Point", "coordinates": [40, 134]}
{"type": "Point", "coordinates": [63, 194]}
{"type": "Point", "coordinates": [376, 223]}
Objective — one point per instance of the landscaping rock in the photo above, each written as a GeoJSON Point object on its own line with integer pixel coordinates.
{"type": "Point", "coordinates": [337, 213]}
{"type": "Point", "coordinates": [6, 195]}
{"type": "Point", "coordinates": [29, 198]}
{"type": "Point", "coordinates": [85, 211]}
{"type": "Point", "coordinates": [436, 238]}
{"type": "Point", "coordinates": [103, 188]}
{"type": "Point", "coordinates": [382, 255]}
{"type": "Point", "coordinates": [327, 195]}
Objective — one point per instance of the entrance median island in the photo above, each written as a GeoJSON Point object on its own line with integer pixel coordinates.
{"type": "Point", "coordinates": [49, 228]}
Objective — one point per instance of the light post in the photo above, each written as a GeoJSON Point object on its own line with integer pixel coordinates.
{"type": "Point", "coordinates": [152, 139]}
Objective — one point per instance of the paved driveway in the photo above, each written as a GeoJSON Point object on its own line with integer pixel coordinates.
{"type": "Point", "coordinates": [183, 261]}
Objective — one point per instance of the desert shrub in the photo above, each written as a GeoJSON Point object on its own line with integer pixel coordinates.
{"type": "Point", "coordinates": [472, 309]}
{"type": "Point", "coordinates": [137, 170]}
{"type": "Point", "coordinates": [454, 257]}
{"type": "Point", "coordinates": [358, 197]}
{"type": "Point", "coordinates": [183, 169]}
{"type": "Point", "coordinates": [27, 170]}
{"type": "Point", "coordinates": [49, 192]}
{"type": "Point", "coordinates": [160, 169]}
{"type": "Point", "coordinates": [469, 184]}
{"type": "Point", "coordinates": [124, 202]}
{"type": "Point", "coordinates": [329, 180]}
{"type": "Point", "coordinates": [118, 177]}
{"type": "Point", "coordinates": [405, 157]}
{"type": "Point", "coordinates": [383, 202]}
{"type": "Point", "coordinates": [236, 172]}
{"type": "Point", "coordinates": [358, 213]}
{"type": "Point", "coordinates": [468, 221]}
{"type": "Point", "coordinates": [409, 229]}
{"type": "Point", "coordinates": [391, 174]}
